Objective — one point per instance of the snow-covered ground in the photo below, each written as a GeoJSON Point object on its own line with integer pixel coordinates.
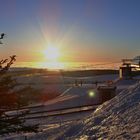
{"type": "Point", "coordinates": [71, 95]}
{"type": "Point", "coordinates": [118, 118]}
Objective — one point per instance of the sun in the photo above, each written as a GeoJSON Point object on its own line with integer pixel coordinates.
{"type": "Point", "coordinates": [52, 53]}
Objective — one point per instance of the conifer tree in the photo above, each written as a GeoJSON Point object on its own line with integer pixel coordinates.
{"type": "Point", "coordinates": [10, 100]}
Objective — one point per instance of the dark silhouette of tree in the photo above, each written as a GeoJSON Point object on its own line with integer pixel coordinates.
{"type": "Point", "coordinates": [9, 100]}
{"type": "Point", "coordinates": [1, 37]}
{"type": "Point", "coordinates": [6, 67]}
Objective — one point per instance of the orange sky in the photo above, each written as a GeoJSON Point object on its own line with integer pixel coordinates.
{"type": "Point", "coordinates": [82, 30]}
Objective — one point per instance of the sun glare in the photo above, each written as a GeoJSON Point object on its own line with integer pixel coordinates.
{"type": "Point", "coordinates": [52, 53]}
{"type": "Point", "coordinates": [52, 56]}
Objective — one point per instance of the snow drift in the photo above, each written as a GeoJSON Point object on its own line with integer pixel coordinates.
{"type": "Point", "coordinates": [118, 118]}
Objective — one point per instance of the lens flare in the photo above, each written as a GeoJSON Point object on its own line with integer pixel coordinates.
{"type": "Point", "coordinates": [91, 94]}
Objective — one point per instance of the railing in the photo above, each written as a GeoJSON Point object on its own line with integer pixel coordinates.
{"type": "Point", "coordinates": [57, 112]}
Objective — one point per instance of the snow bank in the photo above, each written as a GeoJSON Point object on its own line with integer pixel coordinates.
{"type": "Point", "coordinates": [118, 118]}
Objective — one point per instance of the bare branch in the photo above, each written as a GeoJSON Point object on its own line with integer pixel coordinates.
{"type": "Point", "coordinates": [6, 68]}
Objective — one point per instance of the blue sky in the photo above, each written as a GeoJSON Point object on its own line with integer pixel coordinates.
{"type": "Point", "coordinates": [85, 30]}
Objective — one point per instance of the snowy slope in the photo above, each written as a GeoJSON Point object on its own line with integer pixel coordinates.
{"type": "Point", "coordinates": [118, 118]}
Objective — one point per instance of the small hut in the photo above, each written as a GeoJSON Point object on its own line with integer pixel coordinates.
{"type": "Point", "coordinates": [106, 92]}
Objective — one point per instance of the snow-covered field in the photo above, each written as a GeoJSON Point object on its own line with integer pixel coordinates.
{"type": "Point", "coordinates": [118, 118]}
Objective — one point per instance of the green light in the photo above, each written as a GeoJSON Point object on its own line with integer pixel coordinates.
{"type": "Point", "coordinates": [91, 93]}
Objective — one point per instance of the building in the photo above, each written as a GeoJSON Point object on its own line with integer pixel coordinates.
{"type": "Point", "coordinates": [125, 72]}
